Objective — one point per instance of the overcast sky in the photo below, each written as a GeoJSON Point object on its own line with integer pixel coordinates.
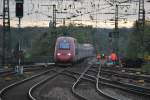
{"type": "Point", "coordinates": [92, 12]}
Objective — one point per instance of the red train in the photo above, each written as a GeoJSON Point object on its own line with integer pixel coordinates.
{"type": "Point", "coordinates": [68, 51]}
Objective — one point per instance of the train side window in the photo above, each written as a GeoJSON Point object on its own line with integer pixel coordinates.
{"type": "Point", "coordinates": [76, 47]}
{"type": "Point", "coordinates": [76, 50]}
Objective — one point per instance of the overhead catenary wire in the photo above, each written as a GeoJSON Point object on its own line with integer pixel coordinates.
{"type": "Point", "coordinates": [72, 8]}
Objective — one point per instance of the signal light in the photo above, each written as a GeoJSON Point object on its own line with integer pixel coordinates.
{"type": "Point", "coordinates": [19, 10]}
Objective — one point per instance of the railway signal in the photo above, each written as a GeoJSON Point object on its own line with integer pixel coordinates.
{"type": "Point", "coordinates": [19, 14]}
{"type": "Point", "coordinates": [19, 8]}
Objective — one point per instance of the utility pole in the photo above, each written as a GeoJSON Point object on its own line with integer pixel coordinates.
{"type": "Point", "coordinates": [64, 27]}
{"type": "Point", "coordinates": [116, 33]}
{"type": "Point", "coordinates": [53, 31]}
{"type": "Point", "coordinates": [64, 22]}
{"type": "Point", "coordinates": [6, 37]}
{"type": "Point", "coordinates": [141, 24]}
{"type": "Point", "coordinates": [54, 16]}
{"type": "Point", "coordinates": [110, 42]}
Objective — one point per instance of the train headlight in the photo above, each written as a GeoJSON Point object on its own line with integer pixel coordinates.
{"type": "Point", "coordinates": [58, 54]}
{"type": "Point", "coordinates": [69, 54]}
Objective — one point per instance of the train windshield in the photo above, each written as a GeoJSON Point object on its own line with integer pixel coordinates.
{"type": "Point", "coordinates": [64, 45]}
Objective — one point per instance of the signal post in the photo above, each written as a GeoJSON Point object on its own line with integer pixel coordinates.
{"type": "Point", "coordinates": [19, 15]}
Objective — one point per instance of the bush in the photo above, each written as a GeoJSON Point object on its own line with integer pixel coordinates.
{"type": "Point", "coordinates": [146, 68]}
{"type": "Point", "coordinates": [132, 63]}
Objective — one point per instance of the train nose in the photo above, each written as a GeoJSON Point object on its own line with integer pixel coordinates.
{"type": "Point", "coordinates": [64, 57]}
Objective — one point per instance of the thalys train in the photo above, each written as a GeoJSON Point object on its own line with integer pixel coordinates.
{"type": "Point", "coordinates": [69, 51]}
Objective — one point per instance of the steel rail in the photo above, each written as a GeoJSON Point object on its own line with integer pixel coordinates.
{"type": "Point", "coordinates": [42, 82]}
{"type": "Point", "coordinates": [124, 75]}
{"type": "Point", "coordinates": [4, 74]}
{"type": "Point", "coordinates": [99, 90]}
{"type": "Point", "coordinates": [77, 82]}
{"type": "Point", "coordinates": [10, 71]}
{"type": "Point", "coordinates": [123, 86]}
{"type": "Point", "coordinates": [4, 90]}
{"type": "Point", "coordinates": [127, 87]}
{"type": "Point", "coordinates": [97, 84]}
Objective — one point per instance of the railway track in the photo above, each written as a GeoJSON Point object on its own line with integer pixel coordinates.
{"type": "Point", "coordinates": [97, 86]}
{"type": "Point", "coordinates": [39, 86]}
{"type": "Point", "coordinates": [51, 83]}
{"type": "Point", "coordinates": [119, 68]}
{"type": "Point", "coordinates": [128, 88]}
{"type": "Point", "coordinates": [76, 83]}
{"type": "Point", "coordinates": [86, 75]}
{"type": "Point", "coordinates": [27, 68]}
{"type": "Point", "coordinates": [18, 90]}
{"type": "Point", "coordinates": [125, 77]}
{"type": "Point", "coordinates": [6, 71]}
{"type": "Point", "coordinates": [132, 79]}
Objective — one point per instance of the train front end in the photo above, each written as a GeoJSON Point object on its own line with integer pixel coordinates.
{"type": "Point", "coordinates": [64, 51]}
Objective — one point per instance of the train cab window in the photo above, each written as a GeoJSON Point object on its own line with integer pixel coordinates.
{"type": "Point", "coordinates": [64, 45]}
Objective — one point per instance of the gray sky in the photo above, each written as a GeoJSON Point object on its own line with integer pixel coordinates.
{"type": "Point", "coordinates": [87, 10]}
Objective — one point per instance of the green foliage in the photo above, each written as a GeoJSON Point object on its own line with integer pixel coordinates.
{"type": "Point", "coordinates": [41, 41]}
{"type": "Point", "coordinates": [147, 37]}
{"type": "Point", "coordinates": [41, 45]}
{"type": "Point", "coordinates": [134, 45]}
{"type": "Point", "coordinates": [27, 56]}
{"type": "Point", "coordinates": [44, 43]}
{"type": "Point", "coordinates": [146, 68]}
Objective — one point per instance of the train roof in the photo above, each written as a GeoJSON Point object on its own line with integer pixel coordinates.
{"type": "Point", "coordinates": [65, 38]}
{"type": "Point", "coordinates": [87, 45]}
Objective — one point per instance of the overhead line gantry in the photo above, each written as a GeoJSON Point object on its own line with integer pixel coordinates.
{"type": "Point", "coordinates": [6, 36]}
{"type": "Point", "coordinates": [141, 24]}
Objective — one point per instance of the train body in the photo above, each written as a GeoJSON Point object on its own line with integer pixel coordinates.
{"type": "Point", "coordinates": [68, 51]}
